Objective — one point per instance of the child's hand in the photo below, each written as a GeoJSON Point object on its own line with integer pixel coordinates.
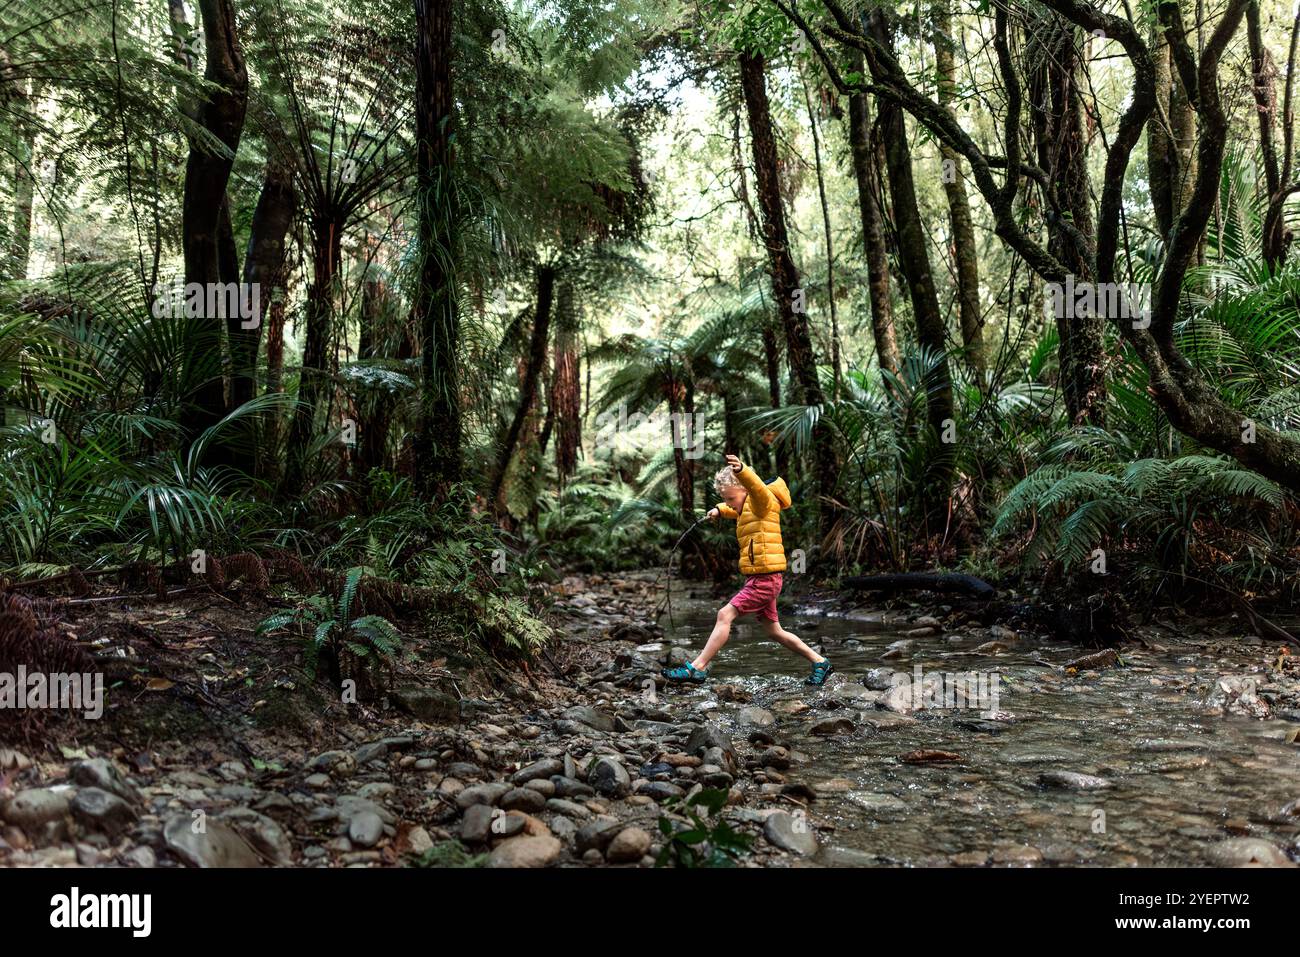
{"type": "Point", "coordinates": [713, 514]}
{"type": "Point", "coordinates": [735, 463]}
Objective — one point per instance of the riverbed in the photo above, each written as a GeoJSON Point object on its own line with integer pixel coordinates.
{"type": "Point", "coordinates": [1123, 766]}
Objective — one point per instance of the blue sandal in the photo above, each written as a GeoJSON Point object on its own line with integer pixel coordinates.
{"type": "Point", "coordinates": [686, 672]}
{"type": "Point", "coordinates": [821, 670]}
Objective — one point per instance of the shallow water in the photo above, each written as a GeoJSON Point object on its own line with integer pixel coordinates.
{"type": "Point", "coordinates": [1183, 780]}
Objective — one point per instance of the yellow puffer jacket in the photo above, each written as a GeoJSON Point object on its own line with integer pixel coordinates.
{"type": "Point", "coordinates": [758, 525]}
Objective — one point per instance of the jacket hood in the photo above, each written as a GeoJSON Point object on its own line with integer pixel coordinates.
{"type": "Point", "coordinates": [781, 491]}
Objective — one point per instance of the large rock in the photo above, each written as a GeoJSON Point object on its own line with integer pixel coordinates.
{"type": "Point", "coordinates": [371, 751]}
{"type": "Point", "coordinates": [216, 845]}
{"type": "Point", "coordinates": [262, 834]}
{"type": "Point", "coordinates": [524, 799]}
{"type": "Point", "coordinates": [1106, 658]}
{"type": "Point", "coordinates": [339, 763]}
{"type": "Point", "coordinates": [1239, 695]}
{"type": "Point", "coordinates": [597, 835]}
{"type": "Point", "coordinates": [525, 851]}
{"type": "Point", "coordinates": [476, 826]}
{"type": "Point", "coordinates": [609, 777]}
{"type": "Point", "coordinates": [791, 833]}
{"type": "Point", "coordinates": [365, 829]}
{"type": "Point", "coordinates": [568, 809]}
{"type": "Point", "coordinates": [99, 811]}
{"type": "Point", "coordinates": [833, 726]}
{"type": "Point", "coordinates": [879, 679]}
{"type": "Point", "coordinates": [756, 717]}
{"type": "Point", "coordinates": [662, 790]}
{"type": "Point", "coordinates": [489, 793]}
{"type": "Point", "coordinates": [708, 736]}
{"type": "Point", "coordinates": [104, 774]}
{"type": "Point", "coordinates": [629, 846]}
{"type": "Point", "coordinates": [1246, 852]}
{"type": "Point", "coordinates": [545, 768]}
{"type": "Point", "coordinates": [570, 787]}
{"type": "Point", "coordinates": [36, 807]}
{"type": "Point", "coordinates": [591, 717]}
{"type": "Point", "coordinates": [427, 704]}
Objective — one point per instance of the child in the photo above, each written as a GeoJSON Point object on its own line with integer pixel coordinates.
{"type": "Point", "coordinates": [757, 510]}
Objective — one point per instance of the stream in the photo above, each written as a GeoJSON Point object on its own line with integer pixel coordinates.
{"type": "Point", "coordinates": [1180, 780]}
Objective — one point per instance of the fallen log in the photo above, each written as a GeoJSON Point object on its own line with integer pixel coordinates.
{"type": "Point", "coordinates": [922, 581]}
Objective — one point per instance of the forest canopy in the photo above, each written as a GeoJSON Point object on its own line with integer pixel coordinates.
{"type": "Point", "coordinates": [1001, 286]}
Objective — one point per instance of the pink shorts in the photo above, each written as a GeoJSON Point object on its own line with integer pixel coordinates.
{"type": "Point", "coordinates": [758, 596]}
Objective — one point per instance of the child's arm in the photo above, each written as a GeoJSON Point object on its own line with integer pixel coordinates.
{"type": "Point", "coordinates": [761, 499]}
{"type": "Point", "coordinates": [723, 509]}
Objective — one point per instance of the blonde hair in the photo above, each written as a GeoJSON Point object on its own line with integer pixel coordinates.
{"type": "Point", "coordinates": [725, 479]}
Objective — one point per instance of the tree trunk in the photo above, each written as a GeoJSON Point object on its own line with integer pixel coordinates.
{"type": "Point", "coordinates": [205, 227]}
{"type": "Point", "coordinates": [373, 441]}
{"type": "Point", "coordinates": [566, 389]}
{"type": "Point", "coordinates": [20, 238]}
{"type": "Point", "coordinates": [873, 230]}
{"type": "Point", "coordinates": [826, 231]}
{"type": "Point", "coordinates": [914, 257]}
{"type": "Point", "coordinates": [528, 387]}
{"type": "Point", "coordinates": [327, 257]}
{"type": "Point", "coordinates": [265, 271]}
{"type": "Point", "coordinates": [268, 462]}
{"type": "Point", "coordinates": [438, 443]}
{"type": "Point", "coordinates": [772, 365]}
{"type": "Point", "coordinates": [1192, 404]}
{"type": "Point", "coordinates": [1161, 162]}
{"type": "Point", "coordinates": [959, 218]}
{"type": "Point", "coordinates": [1262, 75]}
{"type": "Point", "coordinates": [1182, 114]}
{"type": "Point", "coordinates": [681, 406]}
{"type": "Point", "coordinates": [1057, 121]}
{"type": "Point", "coordinates": [785, 277]}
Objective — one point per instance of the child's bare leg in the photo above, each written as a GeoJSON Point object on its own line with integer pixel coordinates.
{"type": "Point", "coordinates": [792, 641]}
{"type": "Point", "coordinates": [718, 637]}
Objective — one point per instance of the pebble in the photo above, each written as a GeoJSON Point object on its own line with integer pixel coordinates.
{"type": "Point", "coordinates": [568, 809]}
{"type": "Point", "coordinates": [526, 851]}
{"type": "Point", "coordinates": [523, 799]}
{"type": "Point", "coordinates": [101, 811]}
{"type": "Point", "coordinates": [1072, 781]}
{"type": "Point", "coordinates": [609, 777]}
{"type": "Point", "coordinates": [833, 726]}
{"type": "Point", "coordinates": [1021, 854]}
{"type": "Point", "coordinates": [661, 790]}
{"type": "Point", "coordinates": [628, 846]}
{"type": "Point", "coordinates": [545, 768]}
{"type": "Point", "coordinates": [476, 825]}
{"type": "Point", "coordinates": [791, 832]}
{"type": "Point", "coordinates": [365, 829]}
{"type": "Point", "coordinates": [103, 774]}
{"type": "Point", "coordinates": [759, 717]}
{"type": "Point", "coordinates": [490, 793]}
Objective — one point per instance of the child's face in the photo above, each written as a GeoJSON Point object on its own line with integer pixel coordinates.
{"type": "Point", "coordinates": [734, 496]}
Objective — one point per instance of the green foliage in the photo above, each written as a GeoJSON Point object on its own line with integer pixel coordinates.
{"type": "Point", "coordinates": [1184, 516]}
{"type": "Point", "coordinates": [707, 840]}
{"type": "Point", "coordinates": [449, 854]}
{"type": "Point", "coordinates": [323, 623]}
{"type": "Point", "coordinates": [94, 489]}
